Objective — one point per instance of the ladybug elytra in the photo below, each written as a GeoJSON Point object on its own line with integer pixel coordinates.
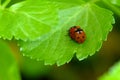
{"type": "Point", "coordinates": [77, 34]}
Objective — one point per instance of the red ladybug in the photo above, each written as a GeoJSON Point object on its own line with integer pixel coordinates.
{"type": "Point", "coordinates": [77, 34]}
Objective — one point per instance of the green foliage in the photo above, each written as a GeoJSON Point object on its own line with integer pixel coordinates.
{"type": "Point", "coordinates": [42, 26]}
{"type": "Point", "coordinates": [57, 47]}
{"type": "Point", "coordinates": [8, 65]}
{"type": "Point", "coordinates": [115, 2]}
{"type": "Point", "coordinates": [26, 21]}
{"type": "Point", "coordinates": [112, 74]}
{"type": "Point", "coordinates": [113, 5]}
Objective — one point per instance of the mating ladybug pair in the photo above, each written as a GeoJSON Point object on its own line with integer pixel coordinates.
{"type": "Point", "coordinates": [77, 34]}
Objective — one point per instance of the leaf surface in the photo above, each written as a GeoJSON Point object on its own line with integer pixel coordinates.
{"type": "Point", "coordinates": [113, 5]}
{"type": "Point", "coordinates": [58, 47]}
{"type": "Point", "coordinates": [116, 2]}
{"type": "Point", "coordinates": [27, 20]}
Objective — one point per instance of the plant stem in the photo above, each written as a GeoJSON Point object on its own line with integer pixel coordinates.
{"type": "Point", "coordinates": [112, 7]}
{"type": "Point", "coordinates": [5, 3]}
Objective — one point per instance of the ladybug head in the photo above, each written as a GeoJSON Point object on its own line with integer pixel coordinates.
{"type": "Point", "coordinates": [79, 30]}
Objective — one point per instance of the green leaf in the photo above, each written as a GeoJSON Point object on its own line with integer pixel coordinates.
{"type": "Point", "coordinates": [112, 74]}
{"type": "Point", "coordinates": [8, 66]}
{"type": "Point", "coordinates": [113, 5]}
{"type": "Point", "coordinates": [58, 47]}
{"type": "Point", "coordinates": [27, 20]}
{"type": "Point", "coordinates": [115, 2]}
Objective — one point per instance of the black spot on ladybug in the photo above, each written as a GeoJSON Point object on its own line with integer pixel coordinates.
{"type": "Point", "coordinates": [78, 37]}
{"type": "Point", "coordinates": [83, 37]}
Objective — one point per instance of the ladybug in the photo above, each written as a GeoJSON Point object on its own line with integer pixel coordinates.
{"type": "Point", "coordinates": [77, 34]}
